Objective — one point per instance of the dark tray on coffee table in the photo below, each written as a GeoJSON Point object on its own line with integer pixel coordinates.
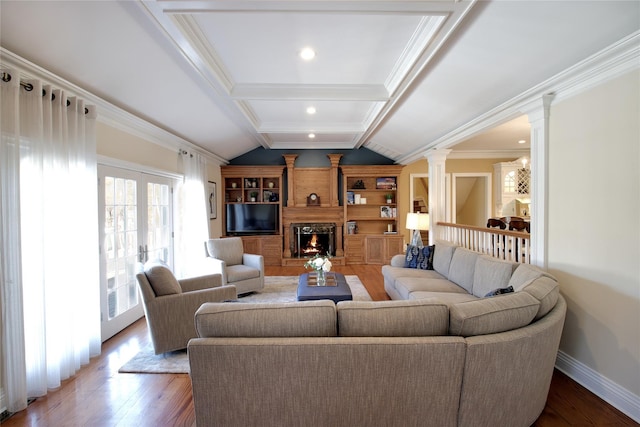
{"type": "Point", "coordinates": [336, 290]}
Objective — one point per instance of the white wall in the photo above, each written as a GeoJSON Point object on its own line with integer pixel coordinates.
{"type": "Point", "coordinates": [594, 227]}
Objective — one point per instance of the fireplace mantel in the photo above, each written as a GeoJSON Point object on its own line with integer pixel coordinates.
{"type": "Point", "coordinates": [293, 215]}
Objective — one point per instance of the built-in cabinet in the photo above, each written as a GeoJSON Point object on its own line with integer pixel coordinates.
{"type": "Point", "coordinates": [365, 217]}
{"type": "Point", "coordinates": [371, 213]}
{"type": "Point", "coordinates": [270, 247]}
{"type": "Point", "coordinates": [255, 185]}
{"type": "Point", "coordinates": [380, 249]}
{"type": "Point", "coordinates": [512, 188]}
{"type": "Point", "coordinates": [252, 189]}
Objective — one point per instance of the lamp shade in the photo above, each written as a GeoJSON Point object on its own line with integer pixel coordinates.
{"type": "Point", "coordinates": [417, 221]}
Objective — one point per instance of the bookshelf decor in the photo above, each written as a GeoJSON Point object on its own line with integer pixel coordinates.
{"type": "Point", "coordinates": [366, 191]}
{"type": "Point", "coordinates": [386, 183]}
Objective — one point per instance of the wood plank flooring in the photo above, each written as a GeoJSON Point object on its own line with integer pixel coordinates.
{"type": "Point", "coordinates": [99, 396]}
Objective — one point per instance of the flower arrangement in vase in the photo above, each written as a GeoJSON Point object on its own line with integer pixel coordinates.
{"type": "Point", "coordinates": [321, 264]}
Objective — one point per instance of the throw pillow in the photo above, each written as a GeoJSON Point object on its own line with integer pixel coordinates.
{"type": "Point", "coordinates": [419, 257]}
{"type": "Point", "coordinates": [500, 291]}
{"type": "Point", "coordinates": [491, 274]}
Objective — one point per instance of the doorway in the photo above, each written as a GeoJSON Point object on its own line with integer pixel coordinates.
{"type": "Point", "coordinates": [471, 198]}
{"type": "Point", "coordinates": [419, 192]}
{"type": "Point", "coordinates": [136, 224]}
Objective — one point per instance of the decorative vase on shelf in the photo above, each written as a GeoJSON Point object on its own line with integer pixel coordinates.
{"type": "Point", "coordinates": [270, 184]}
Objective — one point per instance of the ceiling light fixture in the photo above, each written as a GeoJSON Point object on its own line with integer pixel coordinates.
{"type": "Point", "coordinates": [522, 141]}
{"type": "Point", "coordinates": [312, 135]}
{"type": "Point", "coordinates": [311, 110]}
{"type": "Point", "coordinates": [307, 54]}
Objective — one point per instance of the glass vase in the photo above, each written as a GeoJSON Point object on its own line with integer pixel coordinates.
{"type": "Point", "coordinates": [322, 280]}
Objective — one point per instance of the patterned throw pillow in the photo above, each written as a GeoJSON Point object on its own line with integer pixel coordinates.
{"type": "Point", "coordinates": [419, 257]}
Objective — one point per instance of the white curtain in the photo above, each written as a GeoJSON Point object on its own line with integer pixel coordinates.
{"type": "Point", "coordinates": [192, 223]}
{"type": "Point", "coordinates": [50, 295]}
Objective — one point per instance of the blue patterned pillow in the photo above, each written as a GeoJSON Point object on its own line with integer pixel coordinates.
{"type": "Point", "coordinates": [419, 257]}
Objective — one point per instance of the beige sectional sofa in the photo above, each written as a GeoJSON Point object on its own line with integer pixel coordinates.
{"type": "Point", "coordinates": [421, 360]}
{"type": "Point", "coordinates": [462, 276]}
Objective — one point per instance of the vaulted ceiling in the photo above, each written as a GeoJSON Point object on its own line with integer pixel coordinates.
{"type": "Point", "coordinates": [395, 76]}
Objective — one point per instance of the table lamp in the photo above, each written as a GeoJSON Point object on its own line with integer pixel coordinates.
{"type": "Point", "coordinates": [417, 222]}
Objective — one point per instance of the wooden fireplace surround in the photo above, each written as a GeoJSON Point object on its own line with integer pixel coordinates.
{"type": "Point", "coordinates": [301, 183]}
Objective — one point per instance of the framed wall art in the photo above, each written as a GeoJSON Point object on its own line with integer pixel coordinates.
{"type": "Point", "coordinates": [212, 200]}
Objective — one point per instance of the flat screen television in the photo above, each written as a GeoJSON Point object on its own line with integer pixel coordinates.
{"type": "Point", "coordinates": [245, 219]}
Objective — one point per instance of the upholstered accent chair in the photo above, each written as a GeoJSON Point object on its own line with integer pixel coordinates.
{"type": "Point", "coordinates": [227, 258]}
{"type": "Point", "coordinates": [170, 304]}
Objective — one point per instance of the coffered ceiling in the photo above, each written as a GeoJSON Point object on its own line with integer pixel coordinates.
{"type": "Point", "coordinates": [367, 55]}
{"type": "Point", "coordinates": [394, 76]}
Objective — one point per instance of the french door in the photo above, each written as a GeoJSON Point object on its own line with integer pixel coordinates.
{"type": "Point", "coordinates": [136, 226]}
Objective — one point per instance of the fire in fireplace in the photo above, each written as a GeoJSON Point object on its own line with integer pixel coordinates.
{"type": "Point", "coordinates": [313, 246]}
{"type": "Point", "coordinates": [313, 239]}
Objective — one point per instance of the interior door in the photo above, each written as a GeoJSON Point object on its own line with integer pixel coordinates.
{"type": "Point", "coordinates": [136, 216]}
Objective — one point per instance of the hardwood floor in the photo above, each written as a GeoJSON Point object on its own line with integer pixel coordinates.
{"type": "Point", "coordinates": [99, 396]}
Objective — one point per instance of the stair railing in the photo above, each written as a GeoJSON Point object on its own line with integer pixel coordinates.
{"type": "Point", "coordinates": [502, 244]}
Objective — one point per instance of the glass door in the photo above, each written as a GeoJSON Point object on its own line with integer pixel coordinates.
{"type": "Point", "coordinates": [135, 213]}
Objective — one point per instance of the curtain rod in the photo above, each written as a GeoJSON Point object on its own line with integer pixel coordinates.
{"type": "Point", "coordinates": [6, 77]}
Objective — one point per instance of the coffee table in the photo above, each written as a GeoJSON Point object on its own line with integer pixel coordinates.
{"type": "Point", "coordinates": [336, 288]}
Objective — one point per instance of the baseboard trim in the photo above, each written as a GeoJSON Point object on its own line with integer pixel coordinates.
{"type": "Point", "coordinates": [612, 393]}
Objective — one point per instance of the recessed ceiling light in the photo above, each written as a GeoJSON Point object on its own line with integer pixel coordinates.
{"type": "Point", "coordinates": [312, 135]}
{"type": "Point", "coordinates": [311, 110]}
{"type": "Point", "coordinates": [307, 54]}
{"type": "Point", "coordinates": [522, 141]}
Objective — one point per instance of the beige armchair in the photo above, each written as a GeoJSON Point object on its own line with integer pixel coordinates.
{"type": "Point", "coordinates": [244, 271]}
{"type": "Point", "coordinates": [170, 304]}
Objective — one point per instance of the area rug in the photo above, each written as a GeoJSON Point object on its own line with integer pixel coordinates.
{"type": "Point", "coordinates": [276, 289]}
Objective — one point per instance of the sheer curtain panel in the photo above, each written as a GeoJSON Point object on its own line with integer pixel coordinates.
{"type": "Point", "coordinates": [192, 227]}
{"type": "Point", "coordinates": [50, 298]}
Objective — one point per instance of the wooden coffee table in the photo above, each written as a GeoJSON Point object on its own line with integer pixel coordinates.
{"type": "Point", "coordinates": [336, 288]}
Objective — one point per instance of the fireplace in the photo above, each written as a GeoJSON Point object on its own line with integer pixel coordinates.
{"type": "Point", "coordinates": [311, 239]}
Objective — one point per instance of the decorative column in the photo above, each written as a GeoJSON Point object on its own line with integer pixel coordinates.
{"type": "Point", "coordinates": [437, 190]}
{"type": "Point", "coordinates": [539, 112]}
{"type": "Point", "coordinates": [334, 190]}
{"type": "Point", "coordinates": [290, 159]}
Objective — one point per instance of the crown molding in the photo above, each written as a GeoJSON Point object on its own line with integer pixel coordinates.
{"type": "Point", "coordinates": [611, 62]}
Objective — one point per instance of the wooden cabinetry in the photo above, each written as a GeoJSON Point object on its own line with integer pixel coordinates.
{"type": "Point", "coordinates": [380, 249]}
{"type": "Point", "coordinates": [253, 188]}
{"type": "Point", "coordinates": [371, 220]}
{"type": "Point", "coordinates": [354, 249]}
{"type": "Point", "coordinates": [255, 185]}
{"type": "Point", "coordinates": [270, 247]}
{"type": "Point", "coordinates": [372, 248]}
